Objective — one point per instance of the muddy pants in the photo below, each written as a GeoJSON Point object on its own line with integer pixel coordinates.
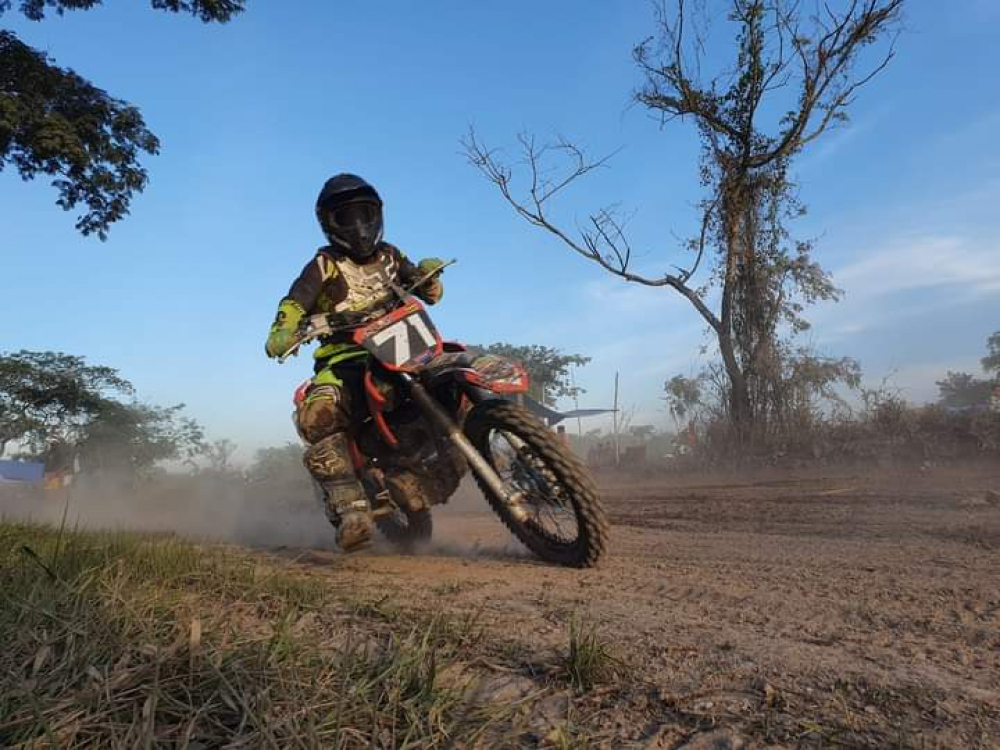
{"type": "Point", "coordinates": [333, 403]}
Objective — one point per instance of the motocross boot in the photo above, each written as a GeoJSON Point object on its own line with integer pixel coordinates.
{"type": "Point", "coordinates": [344, 499]}
{"type": "Point", "coordinates": [348, 511]}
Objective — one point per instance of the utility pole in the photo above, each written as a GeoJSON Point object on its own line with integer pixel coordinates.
{"type": "Point", "coordinates": [576, 405]}
{"type": "Point", "coordinates": [614, 422]}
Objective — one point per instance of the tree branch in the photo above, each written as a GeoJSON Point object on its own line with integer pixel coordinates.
{"type": "Point", "coordinates": [606, 243]}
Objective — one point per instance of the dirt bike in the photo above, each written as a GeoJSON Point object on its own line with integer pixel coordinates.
{"type": "Point", "coordinates": [435, 410]}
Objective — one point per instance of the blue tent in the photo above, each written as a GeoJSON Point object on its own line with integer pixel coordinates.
{"type": "Point", "coordinates": [21, 471]}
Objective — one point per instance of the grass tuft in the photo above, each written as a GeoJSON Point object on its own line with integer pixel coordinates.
{"type": "Point", "coordinates": [120, 639]}
{"type": "Point", "coordinates": [590, 660]}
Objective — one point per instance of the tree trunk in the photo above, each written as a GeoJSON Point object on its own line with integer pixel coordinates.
{"type": "Point", "coordinates": [740, 413]}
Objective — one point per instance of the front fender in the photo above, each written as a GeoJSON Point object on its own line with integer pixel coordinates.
{"type": "Point", "coordinates": [486, 372]}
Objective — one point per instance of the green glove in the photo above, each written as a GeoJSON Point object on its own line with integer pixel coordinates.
{"type": "Point", "coordinates": [429, 264]}
{"type": "Point", "coordinates": [286, 323]}
{"type": "Point", "coordinates": [432, 289]}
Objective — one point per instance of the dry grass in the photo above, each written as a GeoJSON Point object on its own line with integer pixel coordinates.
{"type": "Point", "coordinates": [126, 640]}
{"type": "Point", "coordinates": [589, 661]}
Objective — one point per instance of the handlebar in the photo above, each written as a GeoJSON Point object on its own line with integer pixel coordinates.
{"type": "Point", "coordinates": [322, 324]}
{"type": "Point", "coordinates": [325, 324]}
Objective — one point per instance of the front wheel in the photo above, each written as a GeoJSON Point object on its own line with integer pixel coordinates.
{"type": "Point", "coordinates": [559, 516]}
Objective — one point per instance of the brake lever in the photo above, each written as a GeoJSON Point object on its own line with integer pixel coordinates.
{"type": "Point", "coordinates": [312, 327]}
{"type": "Point", "coordinates": [292, 350]}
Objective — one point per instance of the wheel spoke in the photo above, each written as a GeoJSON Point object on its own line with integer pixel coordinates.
{"type": "Point", "coordinates": [551, 514]}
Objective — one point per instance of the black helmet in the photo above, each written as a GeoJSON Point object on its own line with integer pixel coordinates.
{"type": "Point", "coordinates": [349, 211]}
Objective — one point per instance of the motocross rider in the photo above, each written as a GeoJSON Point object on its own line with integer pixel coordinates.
{"type": "Point", "coordinates": [354, 270]}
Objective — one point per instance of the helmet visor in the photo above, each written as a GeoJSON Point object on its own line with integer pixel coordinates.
{"type": "Point", "coordinates": [351, 215]}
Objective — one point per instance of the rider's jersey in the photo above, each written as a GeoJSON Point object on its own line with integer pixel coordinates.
{"type": "Point", "coordinates": [332, 282]}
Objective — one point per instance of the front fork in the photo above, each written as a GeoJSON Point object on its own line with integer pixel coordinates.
{"type": "Point", "coordinates": [482, 467]}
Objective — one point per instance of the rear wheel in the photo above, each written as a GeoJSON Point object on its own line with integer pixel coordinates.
{"type": "Point", "coordinates": [406, 528]}
{"type": "Point", "coordinates": [403, 528]}
{"type": "Point", "coordinates": [559, 517]}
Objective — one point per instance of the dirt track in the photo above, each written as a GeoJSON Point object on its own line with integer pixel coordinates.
{"type": "Point", "coordinates": [794, 609]}
{"type": "Point", "coordinates": [846, 609]}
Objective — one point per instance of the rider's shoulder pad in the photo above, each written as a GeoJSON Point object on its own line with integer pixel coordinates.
{"type": "Point", "coordinates": [326, 263]}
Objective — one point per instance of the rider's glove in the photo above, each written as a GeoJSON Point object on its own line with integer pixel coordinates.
{"type": "Point", "coordinates": [286, 323]}
{"type": "Point", "coordinates": [431, 290]}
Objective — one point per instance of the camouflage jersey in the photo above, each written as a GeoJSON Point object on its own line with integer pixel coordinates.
{"type": "Point", "coordinates": [332, 282]}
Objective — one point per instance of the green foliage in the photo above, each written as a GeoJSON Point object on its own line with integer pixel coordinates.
{"type": "Point", "coordinates": [683, 396]}
{"type": "Point", "coordinates": [54, 402]}
{"type": "Point", "coordinates": [548, 369]}
{"type": "Point", "coordinates": [133, 437]}
{"type": "Point", "coordinates": [206, 10]}
{"type": "Point", "coordinates": [219, 454]}
{"type": "Point", "coordinates": [792, 388]}
{"type": "Point", "coordinates": [47, 396]}
{"type": "Point", "coordinates": [277, 462]}
{"type": "Point", "coordinates": [960, 390]}
{"type": "Point", "coordinates": [795, 381]}
{"type": "Point", "coordinates": [55, 122]}
{"type": "Point", "coordinates": [991, 362]}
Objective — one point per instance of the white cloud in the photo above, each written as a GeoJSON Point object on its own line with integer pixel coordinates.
{"type": "Point", "coordinates": [616, 297]}
{"type": "Point", "coordinates": [972, 266]}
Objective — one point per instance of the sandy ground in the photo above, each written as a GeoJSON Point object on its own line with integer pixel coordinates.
{"type": "Point", "coordinates": [819, 609]}
{"type": "Point", "coordinates": [858, 610]}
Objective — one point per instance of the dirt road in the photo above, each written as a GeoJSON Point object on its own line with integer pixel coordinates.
{"type": "Point", "coordinates": [856, 610]}
{"type": "Point", "coordinates": [797, 609]}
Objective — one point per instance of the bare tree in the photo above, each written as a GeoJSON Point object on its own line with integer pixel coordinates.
{"type": "Point", "coordinates": [219, 454]}
{"type": "Point", "coordinates": [785, 55]}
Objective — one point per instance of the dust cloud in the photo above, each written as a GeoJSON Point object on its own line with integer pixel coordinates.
{"type": "Point", "coordinates": [203, 509]}
{"type": "Point", "coordinates": [263, 515]}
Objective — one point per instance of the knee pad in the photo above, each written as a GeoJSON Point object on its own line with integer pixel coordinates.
{"type": "Point", "coordinates": [321, 413]}
{"type": "Point", "coordinates": [329, 459]}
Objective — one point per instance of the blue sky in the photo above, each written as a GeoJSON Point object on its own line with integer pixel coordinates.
{"type": "Point", "coordinates": [254, 115]}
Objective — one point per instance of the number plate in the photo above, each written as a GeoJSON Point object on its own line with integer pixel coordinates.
{"type": "Point", "coordinates": [408, 341]}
